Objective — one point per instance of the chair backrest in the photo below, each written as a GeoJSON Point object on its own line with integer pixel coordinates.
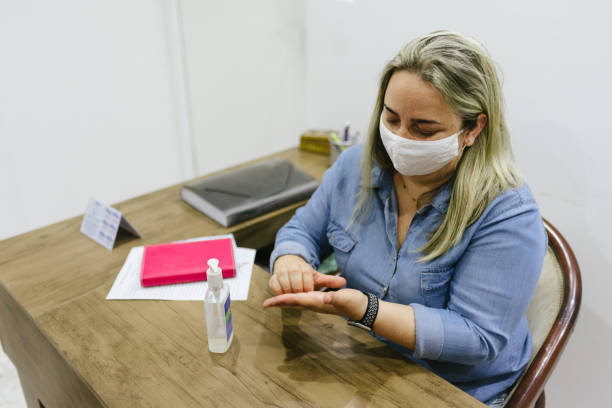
{"type": "Point", "coordinates": [551, 316]}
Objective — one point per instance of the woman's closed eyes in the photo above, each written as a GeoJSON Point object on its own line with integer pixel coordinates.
{"type": "Point", "coordinates": [415, 129]}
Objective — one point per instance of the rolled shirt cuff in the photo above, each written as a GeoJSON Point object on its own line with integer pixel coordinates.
{"type": "Point", "coordinates": [429, 332]}
{"type": "Point", "coordinates": [292, 248]}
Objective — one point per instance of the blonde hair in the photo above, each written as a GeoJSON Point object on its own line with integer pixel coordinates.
{"type": "Point", "coordinates": [461, 69]}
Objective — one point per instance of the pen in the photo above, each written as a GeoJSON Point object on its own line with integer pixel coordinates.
{"type": "Point", "coordinates": [346, 130]}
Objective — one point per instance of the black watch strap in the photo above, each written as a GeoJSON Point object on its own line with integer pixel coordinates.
{"type": "Point", "coordinates": [367, 321]}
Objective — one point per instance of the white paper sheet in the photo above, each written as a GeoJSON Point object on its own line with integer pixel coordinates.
{"type": "Point", "coordinates": [127, 284]}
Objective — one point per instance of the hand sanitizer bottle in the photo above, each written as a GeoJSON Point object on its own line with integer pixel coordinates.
{"type": "Point", "coordinates": [218, 312]}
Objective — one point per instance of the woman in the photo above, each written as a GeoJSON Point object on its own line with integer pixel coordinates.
{"type": "Point", "coordinates": [439, 242]}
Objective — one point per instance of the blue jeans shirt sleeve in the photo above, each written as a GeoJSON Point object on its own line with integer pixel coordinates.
{"type": "Point", "coordinates": [492, 286]}
{"type": "Point", "coordinates": [305, 233]}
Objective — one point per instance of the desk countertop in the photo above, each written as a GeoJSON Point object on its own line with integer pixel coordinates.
{"type": "Point", "coordinates": [74, 348]}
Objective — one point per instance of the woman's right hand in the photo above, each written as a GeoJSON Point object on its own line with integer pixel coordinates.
{"type": "Point", "coordinates": [292, 274]}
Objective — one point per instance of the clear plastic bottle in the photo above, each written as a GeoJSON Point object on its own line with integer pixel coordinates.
{"type": "Point", "coordinates": [217, 304]}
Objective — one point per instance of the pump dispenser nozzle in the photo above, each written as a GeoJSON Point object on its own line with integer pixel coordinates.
{"type": "Point", "coordinates": [213, 274]}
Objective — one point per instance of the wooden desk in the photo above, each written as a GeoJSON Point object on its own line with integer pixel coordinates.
{"type": "Point", "coordinates": [73, 348]}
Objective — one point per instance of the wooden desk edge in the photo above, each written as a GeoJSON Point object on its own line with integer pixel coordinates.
{"type": "Point", "coordinates": [40, 364]}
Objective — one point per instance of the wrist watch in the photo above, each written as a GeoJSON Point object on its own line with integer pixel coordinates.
{"type": "Point", "coordinates": [367, 321]}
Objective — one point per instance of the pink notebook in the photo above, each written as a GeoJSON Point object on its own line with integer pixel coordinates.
{"type": "Point", "coordinates": [165, 264]}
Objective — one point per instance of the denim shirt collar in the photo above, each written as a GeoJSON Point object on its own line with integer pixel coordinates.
{"type": "Point", "coordinates": [382, 181]}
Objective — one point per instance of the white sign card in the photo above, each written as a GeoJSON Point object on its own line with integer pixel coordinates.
{"type": "Point", "coordinates": [102, 222]}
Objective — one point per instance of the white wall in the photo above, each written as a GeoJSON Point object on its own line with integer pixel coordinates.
{"type": "Point", "coordinates": [556, 63]}
{"type": "Point", "coordinates": [246, 70]}
{"type": "Point", "coordinates": [86, 107]}
{"type": "Point", "coordinates": [115, 99]}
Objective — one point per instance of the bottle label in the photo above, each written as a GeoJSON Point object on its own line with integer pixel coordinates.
{"type": "Point", "coordinates": [229, 328]}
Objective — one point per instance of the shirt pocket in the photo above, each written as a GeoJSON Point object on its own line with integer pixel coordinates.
{"type": "Point", "coordinates": [435, 283]}
{"type": "Point", "coordinates": [342, 242]}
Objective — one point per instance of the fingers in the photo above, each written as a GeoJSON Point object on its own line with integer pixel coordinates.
{"type": "Point", "coordinates": [308, 300]}
{"type": "Point", "coordinates": [274, 301]}
{"type": "Point", "coordinates": [291, 275]}
{"type": "Point", "coordinates": [285, 284]}
{"type": "Point", "coordinates": [275, 285]}
{"type": "Point", "coordinates": [287, 299]}
{"type": "Point", "coordinates": [294, 275]}
{"type": "Point", "coordinates": [308, 282]}
{"type": "Point", "coordinates": [296, 280]}
{"type": "Point", "coordinates": [329, 281]}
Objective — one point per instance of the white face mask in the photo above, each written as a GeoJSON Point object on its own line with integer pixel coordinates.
{"type": "Point", "coordinates": [418, 157]}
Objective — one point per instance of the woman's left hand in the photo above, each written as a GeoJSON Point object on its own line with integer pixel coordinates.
{"type": "Point", "coordinates": [344, 302]}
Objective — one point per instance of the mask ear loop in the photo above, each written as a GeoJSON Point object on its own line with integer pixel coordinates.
{"type": "Point", "coordinates": [464, 145]}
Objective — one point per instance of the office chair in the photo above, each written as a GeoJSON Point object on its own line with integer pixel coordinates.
{"type": "Point", "coordinates": [551, 316]}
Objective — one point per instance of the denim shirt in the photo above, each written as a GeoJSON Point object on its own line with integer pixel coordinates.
{"type": "Point", "coordinates": [469, 304]}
